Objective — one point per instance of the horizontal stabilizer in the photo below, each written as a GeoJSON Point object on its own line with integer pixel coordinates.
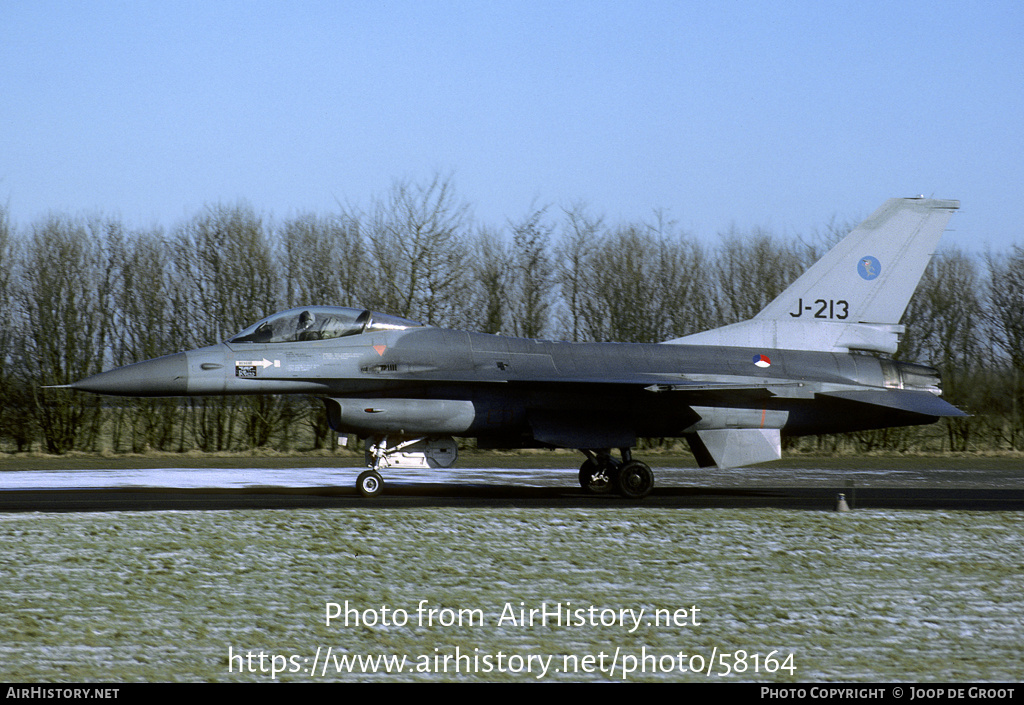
{"type": "Point", "coordinates": [916, 402]}
{"type": "Point", "coordinates": [735, 447]}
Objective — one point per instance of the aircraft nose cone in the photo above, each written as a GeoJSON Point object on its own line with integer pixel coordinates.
{"type": "Point", "coordinates": [161, 377]}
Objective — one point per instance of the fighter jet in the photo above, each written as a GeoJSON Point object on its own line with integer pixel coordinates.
{"type": "Point", "coordinates": [815, 360]}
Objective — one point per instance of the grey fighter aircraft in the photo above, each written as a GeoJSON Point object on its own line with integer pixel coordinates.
{"type": "Point", "coordinates": [814, 361]}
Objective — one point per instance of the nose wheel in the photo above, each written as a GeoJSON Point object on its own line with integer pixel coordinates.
{"type": "Point", "coordinates": [370, 483]}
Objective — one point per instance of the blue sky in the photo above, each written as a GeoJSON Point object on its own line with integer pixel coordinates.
{"type": "Point", "coordinates": [778, 114]}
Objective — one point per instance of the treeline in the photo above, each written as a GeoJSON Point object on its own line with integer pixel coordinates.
{"type": "Point", "coordinates": [80, 295]}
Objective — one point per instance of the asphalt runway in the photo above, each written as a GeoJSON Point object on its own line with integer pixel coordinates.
{"type": "Point", "coordinates": [809, 488]}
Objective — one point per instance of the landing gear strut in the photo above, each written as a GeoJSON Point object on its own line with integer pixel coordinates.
{"type": "Point", "coordinates": [600, 474]}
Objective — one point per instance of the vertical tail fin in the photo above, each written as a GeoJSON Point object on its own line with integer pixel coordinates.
{"type": "Point", "coordinates": [854, 296]}
{"type": "Point", "coordinates": [874, 269]}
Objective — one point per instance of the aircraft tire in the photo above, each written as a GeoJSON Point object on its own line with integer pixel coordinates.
{"type": "Point", "coordinates": [370, 483]}
{"type": "Point", "coordinates": [635, 480]}
{"type": "Point", "coordinates": [593, 480]}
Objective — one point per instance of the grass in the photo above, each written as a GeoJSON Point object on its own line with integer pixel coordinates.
{"type": "Point", "coordinates": [163, 596]}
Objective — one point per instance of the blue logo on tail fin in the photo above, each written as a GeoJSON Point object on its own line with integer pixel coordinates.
{"type": "Point", "coordinates": [869, 268]}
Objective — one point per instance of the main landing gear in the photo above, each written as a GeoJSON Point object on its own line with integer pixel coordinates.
{"type": "Point", "coordinates": [601, 474]}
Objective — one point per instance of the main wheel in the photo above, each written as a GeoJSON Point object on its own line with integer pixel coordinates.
{"type": "Point", "coordinates": [635, 480]}
{"type": "Point", "coordinates": [370, 483]}
{"type": "Point", "coordinates": [596, 477]}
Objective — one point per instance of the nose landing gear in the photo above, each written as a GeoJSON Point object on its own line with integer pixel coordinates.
{"type": "Point", "coordinates": [418, 453]}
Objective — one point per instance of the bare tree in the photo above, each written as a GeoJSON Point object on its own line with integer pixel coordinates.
{"type": "Point", "coordinates": [145, 328]}
{"type": "Point", "coordinates": [323, 261]}
{"type": "Point", "coordinates": [684, 281]}
{"type": "Point", "coordinates": [944, 329]}
{"type": "Point", "coordinates": [638, 286]}
{"type": "Point", "coordinates": [531, 279]}
{"type": "Point", "coordinates": [490, 268]}
{"type": "Point", "coordinates": [16, 418]}
{"type": "Point", "coordinates": [225, 264]}
{"type": "Point", "coordinates": [1006, 312]}
{"type": "Point", "coordinates": [417, 252]}
{"type": "Point", "coordinates": [752, 270]}
{"type": "Point", "coordinates": [64, 300]}
{"type": "Point", "coordinates": [581, 234]}
{"type": "Point", "coordinates": [7, 262]}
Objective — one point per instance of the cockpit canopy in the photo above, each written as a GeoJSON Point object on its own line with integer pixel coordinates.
{"type": "Point", "coordinates": [319, 323]}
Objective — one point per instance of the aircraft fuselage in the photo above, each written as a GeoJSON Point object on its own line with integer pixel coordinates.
{"type": "Point", "coordinates": [518, 389]}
